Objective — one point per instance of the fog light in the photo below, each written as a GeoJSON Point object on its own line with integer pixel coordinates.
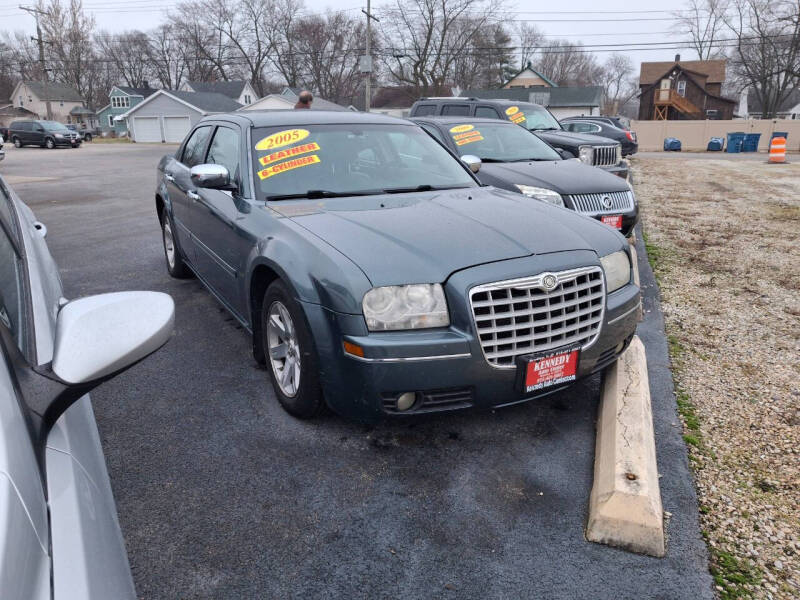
{"type": "Point", "coordinates": [406, 401]}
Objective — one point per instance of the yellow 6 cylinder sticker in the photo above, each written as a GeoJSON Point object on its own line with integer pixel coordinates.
{"type": "Point", "coordinates": [288, 165]}
{"type": "Point", "coordinates": [282, 138]}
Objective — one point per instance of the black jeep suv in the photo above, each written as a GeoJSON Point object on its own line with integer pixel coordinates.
{"type": "Point", "coordinates": [47, 134]}
{"type": "Point", "coordinates": [590, 149]}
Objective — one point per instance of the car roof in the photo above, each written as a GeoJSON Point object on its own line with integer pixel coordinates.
{"type": "Point", "coordinates": [462, 119]}
{"type": "Point", "coordinates": [458, 100]}
{"type": "Point", "coordinates": [272, 118]}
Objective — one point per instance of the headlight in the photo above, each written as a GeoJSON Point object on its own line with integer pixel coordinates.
{"type": "Point", "coordinates": [542, 194]}
{"type": "Point", "coordinates": [586, 154]}
{"type": "Point", "coordinates": [618, 270]}
{"type": "Point", "coordinates": [417, 306]}
{"type": "Point", "coordinates": [58, 135]}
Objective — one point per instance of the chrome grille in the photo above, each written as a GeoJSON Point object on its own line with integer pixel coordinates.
{"type": "Point", "coordinates": [610, 202]}
{"type": "Point", "coordinates": [518, 316]}
{"type": "Point", "coordinates": [606, 156]}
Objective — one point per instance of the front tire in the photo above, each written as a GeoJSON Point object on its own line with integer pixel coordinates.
{"type": "Point", "coordinates": [17, 143]}
{"type": "Point", "coordinates": [49, 143]}
{"type": "Point", "coordinates": [87, 137]}
{"type": "Point", "coordinates": [175, 265]}
{"type": "Point", "coordinates": [291, 358]}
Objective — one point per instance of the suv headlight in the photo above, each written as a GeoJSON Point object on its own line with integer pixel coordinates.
{"type": "Point", "coordinates": [617, 267]}
{"type": "Point", "coordinates": [586, 154]}
{"type": "Point", "coordinates": [542, 194]}
{"type": "Point", "coordinates": [59, 135]}
{"type": "Point", "coordinates": [416, 306]}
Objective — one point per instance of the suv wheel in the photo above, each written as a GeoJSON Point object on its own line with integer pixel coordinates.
{"type": "Point", "coordinates": [291, 358]}
{"type": "Point", "coordinates": [49, 143]}
{"type": "Point", "coordinates": [87, 137]}
{"type": "Point", "coordinates": [17, 143]}
{"type": "Point", "coordinates": [175, 265]}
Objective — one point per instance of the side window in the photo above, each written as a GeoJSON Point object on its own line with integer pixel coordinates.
{"type": "Point", "coordinates": [435, 133]}
{"type": "Point", "coordinates": [487, 112]}
{"type": "Point", "coordinates": [456, 110]}
{"type": "Point", "coordinates": [425, 109]}
{"type": "Point", "coordinates": [194, 150]}
{"type": "Point", "coordinates": [224, 150]}
{"type": "Point", "coordinates": [12, 313]}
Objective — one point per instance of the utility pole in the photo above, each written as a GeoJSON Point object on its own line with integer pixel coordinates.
{"type": "Point", "coordinates": [366, 65]}
{"type": "Point", "coordinates": [36, 12]}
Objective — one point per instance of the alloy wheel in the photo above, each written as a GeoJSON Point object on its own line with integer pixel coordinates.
{"type": "Point", "coordinates": [284, 349]}
{"type": "Point", "coordinates": [169, 243]}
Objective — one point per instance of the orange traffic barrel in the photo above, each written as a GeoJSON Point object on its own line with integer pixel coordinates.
{"type": "Point", "coordinates": [777, 150]}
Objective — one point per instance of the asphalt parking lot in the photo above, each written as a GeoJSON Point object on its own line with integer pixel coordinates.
{"type": "Point", "coordinates": [221, 494]}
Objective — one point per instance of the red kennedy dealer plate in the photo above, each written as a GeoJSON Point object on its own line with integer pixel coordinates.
{"type": "Point", "coordinates": [614, 221]}
{"type": "Point", "coordinates": [546, 370]}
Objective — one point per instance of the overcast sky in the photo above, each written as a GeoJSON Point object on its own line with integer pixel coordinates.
{"type": "Point", "coordinates": [592, 22]}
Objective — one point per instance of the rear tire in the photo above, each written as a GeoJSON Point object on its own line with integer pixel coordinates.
{"type": "Point", "coordinates": [291, 357]}
{"type": "Point", "coordinates": [87, 137]}
{"type": "Point", "coordinates": [49, 143]}
{"type": "Point", "coordinates": [17, 143]}
{"type": "Point", "coordinates": [172, 254]}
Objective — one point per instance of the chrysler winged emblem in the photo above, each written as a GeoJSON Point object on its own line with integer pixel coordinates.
{"type": "Point", "coordinates": [549, 282]}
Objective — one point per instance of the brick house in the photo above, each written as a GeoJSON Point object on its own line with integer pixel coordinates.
{"type": "Point", "coordinates": [690, 89]}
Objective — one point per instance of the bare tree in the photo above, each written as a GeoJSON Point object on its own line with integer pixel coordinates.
{"type": "Point", "coordinates": [704, 21]}
{"type": "Point", "coordinates": [619, 84]}
{"type": "Point", "coordinates": [424, 38]}
{"type": "Point", "coordinates": [488, 59]}
{"type": "Point", "coordinates": [165, 57]}
{"type": "Point", "coordinates": [203, 47]}
{"type": "Point", "coordinates": [286, 54]}
{"type": "Point", "coordinates": [767, 49]}
{"type": "Point", "coordinates": [567, 63]}
{"type": "Point", "coordinates": [129, 53]}
{"type": "Point", "coordinates": [529, 39]}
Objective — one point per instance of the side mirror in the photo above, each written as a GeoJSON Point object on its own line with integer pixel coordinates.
{"type": "Point", "coordinates": [564, 154]}
{"type": "Point", "coordinates": [99, 336]}
{"type": "Point", "coordinates": [472, 161]}
{"type": "Point", "coordinates": [211, 176]}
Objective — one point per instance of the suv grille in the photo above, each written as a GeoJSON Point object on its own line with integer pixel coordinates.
{"type": "Point", "coordinates": [611, 202]}
{"type": "Point", "coordinates": [518, 316]}
{"type": "Point", "coordinates": [606, 156]}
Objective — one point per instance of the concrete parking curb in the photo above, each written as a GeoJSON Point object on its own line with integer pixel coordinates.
{"type": "Point", "coordinates": [625, 504]}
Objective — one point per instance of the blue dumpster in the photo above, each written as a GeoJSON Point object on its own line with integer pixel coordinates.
{"type": "Point", "coordinates": [735, 141]}
{"type": "Point", "coordinates": [750, 143]}
{"type": "Point", "coordinates": [672, 144]}
{"type": "Point", "coordinates": [716, 144]}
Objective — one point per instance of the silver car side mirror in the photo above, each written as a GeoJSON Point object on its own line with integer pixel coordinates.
{"type": "Point", "coordinates": [472, 161]}
{"type": "Point", "coordinates": [210, 176]}
{"type": "Point", "coordinates": [102, 335]}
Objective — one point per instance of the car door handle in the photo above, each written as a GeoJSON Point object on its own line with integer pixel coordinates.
{"type": "Point", "coordinates": [193, 195]}
{"type": "Point", "coordinates": [169, 178]}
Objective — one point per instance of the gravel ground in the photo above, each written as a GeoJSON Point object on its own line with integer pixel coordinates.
{"type": "Point", "coordinates": [724, 237]}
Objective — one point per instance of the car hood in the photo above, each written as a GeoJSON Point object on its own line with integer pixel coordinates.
{"type": "Point", "coordinates": [425, 237]}
{"type": "Point", "coordinates": [563, 176]}
{"type": "Point", "coordinates": [570, 138]}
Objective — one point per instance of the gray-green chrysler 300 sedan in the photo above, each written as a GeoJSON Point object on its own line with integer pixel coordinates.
{"type": "Point", "coordinates": [378, 277]}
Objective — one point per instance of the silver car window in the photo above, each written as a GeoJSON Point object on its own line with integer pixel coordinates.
{"type": "Point", "coordinates": [11, 289]}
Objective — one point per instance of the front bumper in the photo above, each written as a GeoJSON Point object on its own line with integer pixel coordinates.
{"type": "Point", "coordinates": [445, 367]}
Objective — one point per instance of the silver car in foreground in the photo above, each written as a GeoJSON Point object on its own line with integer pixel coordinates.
{"type": "Point", "coordinates": [59, 534]}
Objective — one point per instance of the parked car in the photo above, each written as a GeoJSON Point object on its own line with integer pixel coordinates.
{"type": "Point", "coordinates": [517, 160]}
{"type": "Point", "coordinates": [625, 137]}
{"type": "Point", "coordinates": [85, 133]}
{"type": "Point", "coordinates": [47, 134]}
{"type": "Point", "coordinates": [375, 273]}
{"type": "Point", "coordinates": [2, 152]}
{"type": "Point", "coordinates": [59, 533]}
{"type": "Point", "coordinates": [592, 150]}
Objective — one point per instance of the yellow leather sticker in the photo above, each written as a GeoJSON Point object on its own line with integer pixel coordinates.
{"type": "Point", "coordinates": [289, 153]}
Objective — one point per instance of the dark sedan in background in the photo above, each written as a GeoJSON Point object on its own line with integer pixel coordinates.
{"type": "Point", "coordinates": [518, 161]}
{"type": "Point", "coordinates": [375, 273]}
{"type": "Point", "coordinates": [603, 128]}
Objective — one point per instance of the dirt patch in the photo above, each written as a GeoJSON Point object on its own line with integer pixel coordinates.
{"type": "Point", "coordinates": [727, 236]}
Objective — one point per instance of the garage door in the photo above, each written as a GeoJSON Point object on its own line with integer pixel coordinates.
{"type": "Point", "coordinates": [176, 128]}
{"type": "Point", "coordinates": [146, 129]}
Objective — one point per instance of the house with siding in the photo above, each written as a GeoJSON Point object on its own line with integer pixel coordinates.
{"type": "Point", "coordinates": [120, 100]}
{"type": "Point", "coordinates": [168, 115]}
{"type": "Point", "coordinates": [33, 96]}
{"type": "Point", "coordinates": [239, 90]}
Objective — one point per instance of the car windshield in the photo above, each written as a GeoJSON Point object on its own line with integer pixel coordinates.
{"type": "Point", "coordinates": [533, 117]}
{"type": "Point", "coordinates": [500, 142]}
{"type": "Point", "coordinates": [53, 126]}
{"type": "Point", "coordinates": [344, 159]}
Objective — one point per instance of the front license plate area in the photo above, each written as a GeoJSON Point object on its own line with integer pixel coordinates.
{"type": "Point", "coordinates": [614, 221]}
{"type": "Point", "coordinates": [547, 369]}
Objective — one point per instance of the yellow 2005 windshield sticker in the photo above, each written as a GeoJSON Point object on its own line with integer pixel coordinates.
{"type": "Point", "coordinates": [469, 140]}
{"type": "Point", "coordinates": [461, 128]}
{"type": "Point", "coordinates": [461, 136]}
{"type": "Point", "coordinates": [282, 138]}
{"type": "Point", "coordinates": [288, 153]}
{"type": "Point", "coordinates": [295, 163]}
{"type": "Point", "coordinates": [512, 110]}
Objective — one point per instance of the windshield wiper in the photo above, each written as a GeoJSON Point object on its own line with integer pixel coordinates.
{"type": "Point", "coordinates": [532, 159]}
{"type": "Point", "coordinates": [317, 194]}
{"type": "Point", "coordinates": [425, 187]}
{"type": "Point", "coordinates": [492, 160]}
{"type": "Point", "coordinates": [547, 129]}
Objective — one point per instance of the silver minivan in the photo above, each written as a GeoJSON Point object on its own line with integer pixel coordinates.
{"type": "Point", "coordinates": [59, 533]}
